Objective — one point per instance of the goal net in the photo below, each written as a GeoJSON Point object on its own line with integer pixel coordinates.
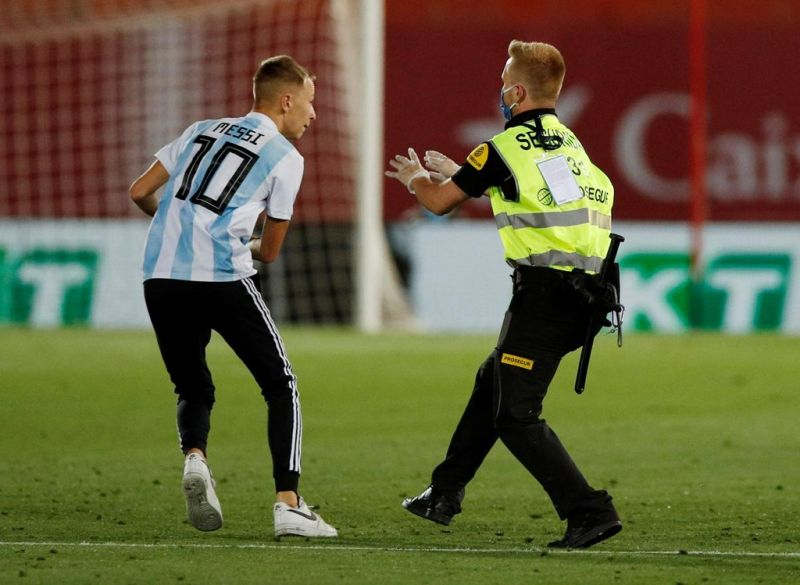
{"type": "Point", "coordinates": [93, 88]}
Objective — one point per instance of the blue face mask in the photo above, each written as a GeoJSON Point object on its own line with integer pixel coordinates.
{"type": "Point", "coordinates": [506, 110]}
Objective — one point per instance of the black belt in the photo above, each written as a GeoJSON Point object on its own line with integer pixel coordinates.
{"type": "Point", "coordinates": [539, 274]}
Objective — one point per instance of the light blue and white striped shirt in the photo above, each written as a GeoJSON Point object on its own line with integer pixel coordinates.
{"type": "Point", "coordinates": [223, 174]}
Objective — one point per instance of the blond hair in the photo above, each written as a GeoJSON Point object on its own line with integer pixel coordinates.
{"type": "Point", "coordinates": [539, 67]}
{"type": "Point", "coordinates": [274, 74]}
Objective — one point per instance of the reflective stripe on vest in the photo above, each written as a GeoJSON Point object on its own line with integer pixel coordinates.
{"type": "Point", "coordinates": [555, 258]}
{"type": "Point", "coordinates": [552, 219]}
{"type": "Point", "coordinates": [535, 230]}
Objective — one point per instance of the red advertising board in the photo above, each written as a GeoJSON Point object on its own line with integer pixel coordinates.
{"type": "Point", "coordinates": [88, 105]}
{"type": "Point", "coordinates": [626, 96]}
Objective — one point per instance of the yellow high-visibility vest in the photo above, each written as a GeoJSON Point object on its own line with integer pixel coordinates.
{"type": "Point", "coordinates": [535, 229]}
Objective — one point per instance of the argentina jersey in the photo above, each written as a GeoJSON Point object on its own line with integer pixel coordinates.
{"type": "Point", "coordinates": [222, 174]}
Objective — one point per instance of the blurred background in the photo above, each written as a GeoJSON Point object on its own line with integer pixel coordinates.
{"type": "Point", "coordinates": [688, 105]}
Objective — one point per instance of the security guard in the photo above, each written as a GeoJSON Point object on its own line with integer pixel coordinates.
{"type": "Point", "coordinates": [552, 208]}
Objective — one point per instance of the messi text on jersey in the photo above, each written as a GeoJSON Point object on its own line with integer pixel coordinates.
{"type": "Point", "coordinates": [241, 132]}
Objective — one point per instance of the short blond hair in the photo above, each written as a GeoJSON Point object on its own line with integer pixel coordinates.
{"type": "Point", "coordinates": [539, 67]}
{"type": "Point", "coordinates": [274, 74]}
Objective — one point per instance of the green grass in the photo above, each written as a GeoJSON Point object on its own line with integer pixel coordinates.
{"type": "Point", "coordinates": [695, 436]}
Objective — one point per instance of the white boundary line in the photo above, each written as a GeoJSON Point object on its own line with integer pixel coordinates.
{"type": "Point", "coordinates": [407, 549]}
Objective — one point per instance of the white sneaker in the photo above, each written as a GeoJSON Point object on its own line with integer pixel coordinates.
{"type": "Point", "coordinates": [202, 505]}
{"type": "Point", "coordinates": [300, 521]}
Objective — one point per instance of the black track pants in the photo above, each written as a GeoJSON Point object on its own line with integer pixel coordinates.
{"type": "Point", "coordinates": [183, 314]}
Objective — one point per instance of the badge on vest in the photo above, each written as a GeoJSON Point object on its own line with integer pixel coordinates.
{"type": "Point", "coordinates": [559, 179]}
{"type": "Point", "coordinates": [515, 360]}
{"type": "Point", "coordinates": [477, 158]}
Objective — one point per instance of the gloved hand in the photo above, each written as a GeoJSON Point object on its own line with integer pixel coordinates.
{"type": "Point", "coordinates": [407, 169]}
{"type": "Point", "coordinates": [442, 166]}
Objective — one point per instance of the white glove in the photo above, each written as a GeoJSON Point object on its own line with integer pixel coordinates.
{"type": "Point", "coordinates": [407, 169]}
{"type": "Point", "coordinates": [442, 166]}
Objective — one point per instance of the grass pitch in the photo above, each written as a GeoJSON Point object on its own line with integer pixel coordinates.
{"type": "Point", "coordinates": [695, 436]}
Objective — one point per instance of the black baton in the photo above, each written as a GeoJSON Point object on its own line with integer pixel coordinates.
{"type": "Point", "coordinates": [586, 350]}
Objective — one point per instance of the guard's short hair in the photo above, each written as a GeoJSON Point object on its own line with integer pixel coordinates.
{"type": "Point", "coordinates": [539, 67]}
{"type": "Point", "coordinates": [274, 74]}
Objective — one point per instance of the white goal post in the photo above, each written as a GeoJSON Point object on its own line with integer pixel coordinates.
{"type": "Point", "coordinates": [379, 298]}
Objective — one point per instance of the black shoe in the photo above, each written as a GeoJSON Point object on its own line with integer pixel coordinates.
{"type": "Point", "coordinates": [589, 528]}
{"type": "Point", "coordinates": [433, 505]}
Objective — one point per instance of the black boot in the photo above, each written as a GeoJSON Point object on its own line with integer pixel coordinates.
{"type": "Point", "coordinates": [587, 528]}
{"type": "Point", "coordinates": [435, 505]}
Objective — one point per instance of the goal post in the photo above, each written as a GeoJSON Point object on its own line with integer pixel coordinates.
{"type": "Point", "coordinates": [380, 300]}
{"type": "Point", "coordinates": [370, 242]}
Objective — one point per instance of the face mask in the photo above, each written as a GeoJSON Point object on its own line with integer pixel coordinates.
{"type": "Point", "coordinates": [507, 110]}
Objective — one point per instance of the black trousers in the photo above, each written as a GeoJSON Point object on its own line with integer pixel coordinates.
{"type": "Point", "coordinates": [546, 320]}
{"type": "Point", "coordinates": [183, 314]}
